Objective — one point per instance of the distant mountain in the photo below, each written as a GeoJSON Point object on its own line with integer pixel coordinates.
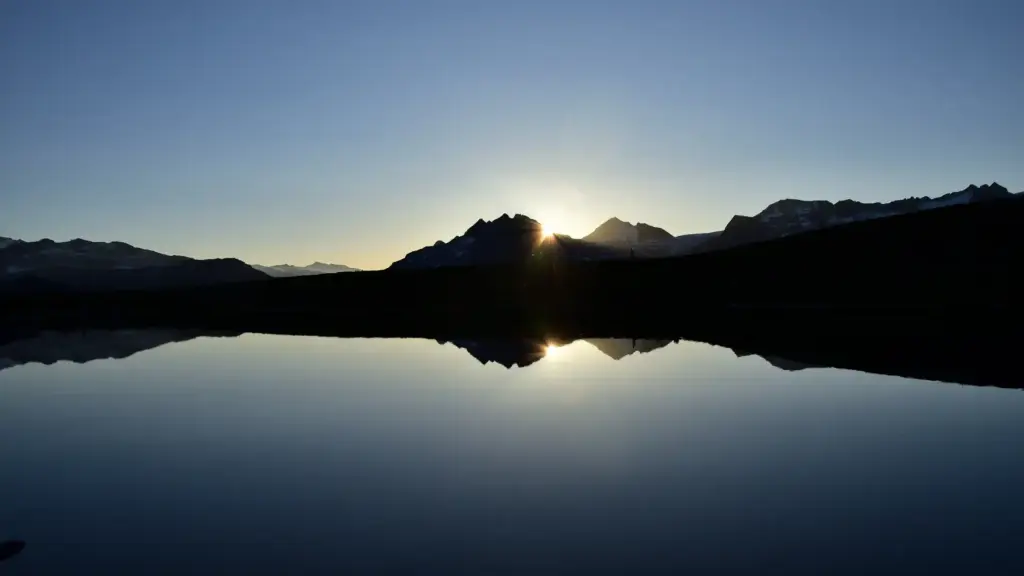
{"type": "Point", "coordinates": [86, 346]}
{"type": "Point", "coordinates": [615, 231]}
{"type": "Point", "coordinates": [287, 270]}
{"type": "Point", "coordinates": [17, 256]}
{"type": "Point", "coordinates": [79, 264]}
{"type": "Point", "coordinates": [787, 217]}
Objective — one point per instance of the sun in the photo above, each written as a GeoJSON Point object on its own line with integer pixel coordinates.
{"type": "Point", "coordinates": [546, 231]}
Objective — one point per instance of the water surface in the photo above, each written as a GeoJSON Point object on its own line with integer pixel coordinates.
{"type": "Point", "coordinates": [259, 454]}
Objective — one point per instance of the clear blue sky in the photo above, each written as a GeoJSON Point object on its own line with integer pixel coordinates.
{"type": "Point", "coordinates": [356, 131]}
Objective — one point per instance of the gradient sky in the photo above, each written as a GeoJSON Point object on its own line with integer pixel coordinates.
{"type": "Point", "coordinates": [356, 131]}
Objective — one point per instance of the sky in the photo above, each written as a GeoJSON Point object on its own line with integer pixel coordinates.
{"type": "Point", "coordinates": [356, 131]}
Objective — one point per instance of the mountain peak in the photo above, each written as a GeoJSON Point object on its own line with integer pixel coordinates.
{"type": "Point", "coordinates": [502, 240]}
{"type": "Point", "coordinates": [503, 222]}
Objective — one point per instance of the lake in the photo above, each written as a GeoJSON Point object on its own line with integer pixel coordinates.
{"type": "Point", "coordinates": [260, 454]}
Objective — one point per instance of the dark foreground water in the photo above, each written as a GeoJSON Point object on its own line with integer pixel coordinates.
{"type": "Point", "coordinates": [293, 455]}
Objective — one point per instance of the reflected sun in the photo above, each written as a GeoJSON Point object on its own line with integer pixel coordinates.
{"type": "Point", "coordinates": [550, 350]}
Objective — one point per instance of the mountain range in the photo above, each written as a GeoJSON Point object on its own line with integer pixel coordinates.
{"type": "Point", "coordinates": [787, 217]}
{"type": "Point", "coordinates": [288, 270]}
{"type": "Point", "coordinates": [89, 345]}
{"type": "Point", "coordinates": [510, 239]}
{"type": "Point", "coordinates": [79, 264]}
{"type": "Point", "coordinates": [81, 347]}
{"type": "Point", "coordinates": [46, 265]}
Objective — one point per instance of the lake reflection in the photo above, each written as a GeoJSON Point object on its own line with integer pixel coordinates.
{"type": "Point", "coordinates": [262, 454]}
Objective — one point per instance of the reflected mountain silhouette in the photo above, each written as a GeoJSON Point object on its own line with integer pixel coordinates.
{"type": "Point", "coordinates": [83, 346]}
{"type": "Point", "coordinates": [88, 345]}
{"type": "Point", "coordinates": [780, 363]}
{"type": "Point", "coordinates": [619, 348]}
{"type": "Point", "coordinates": [521, 353]}
{"type": "Point", "coordinates": [526, 351]}
{"type": "Point", "coordinates": [506, 352]}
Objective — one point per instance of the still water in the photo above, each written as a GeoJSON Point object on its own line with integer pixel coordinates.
{"type": "Point", "coordinates": [264, 454]}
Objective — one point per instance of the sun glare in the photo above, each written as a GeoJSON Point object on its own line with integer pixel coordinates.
{"type": "Point", "coordinates": [546, 231]}
{"type": "Point", "coordinates": [550, 350]}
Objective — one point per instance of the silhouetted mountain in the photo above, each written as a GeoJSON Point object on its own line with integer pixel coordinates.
{"type": "Point", "coordinates": [619, 348]}
{"type": "Point", "coordinates": [79, 264]}
{"type": "Point", "coordinates": [506, 240]}
{"type": "Point", "coordinates": [499, 241]}
{"type": "Point", "coordinates": [287, 270]}
{"type": "Point", "coordinates": [85, 346]}
{"type": "Point", "coordinates": [519, 239]}
{"type": "Point", "coordinates": [189, 273]}
{"type": "Point", "coordinates": [19, 257]}
{"type": "Point", "coordinates": [787, 217]}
